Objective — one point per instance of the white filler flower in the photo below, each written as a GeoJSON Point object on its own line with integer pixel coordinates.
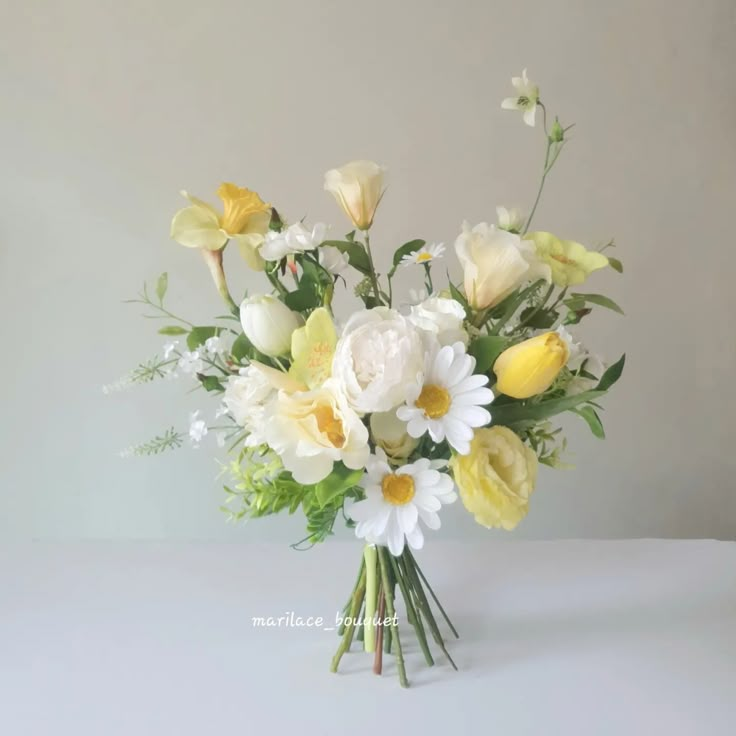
{"type": "Point", "coordinates": [526, 99]}
{"type": "Point", "coordinates": [395, 501]}
{"type": "Point", "coordinates": [448, 402]}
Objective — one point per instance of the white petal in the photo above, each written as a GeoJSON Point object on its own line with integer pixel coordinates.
{"type": "Point", "coordinates": [472, 416]}
{"type": "Point", "coordinates": [407, 517]}
{"type": "Point", "coordinates": [529, 115]}
{"type": "Point", "coordinates": [415, 538]}
{"type": "Point", "coordinates": [394, 537]}
{"type": "Point", "coordinates": [471, 383]}
{"type": "Point", "coordinates": [416, 427]}
{"type": "Point", "coordinates": [430, 518]}
{"type": "Point", "coordinates": [476, 397]}
{"type": "Point", "coordinates": [510, 103]}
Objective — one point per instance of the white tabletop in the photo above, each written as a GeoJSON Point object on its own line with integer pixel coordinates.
{"type": "Point", "coordinates": [631, 637]}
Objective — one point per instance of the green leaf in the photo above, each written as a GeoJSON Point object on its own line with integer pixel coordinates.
{"type": "Point", "coordinates": [539, 318]}
{"type": "Point", "coordinates": [612, 374]}
{"type": "Point", "coordinates": [357, 257]}
{"type": "Point", "coordinates": [508, 414]}
{"type": "Point", "coordinates": [161, 286]}
{"type": "Point", "coordinates": [198, 336]}
{"type": "Point", "coordinates": [336, 483]}
{"type": "Point", "coordinates": [172, 330]}
{"type": "Point", "coordinates": [210, 383]}
{"type": "Point", "coordinates": [306, 297]}
{"type": "Point", "coordinates": [588, 413]}
{"type": "Point", "coordinates": [456, 294]}
{"type": "Point", "coordinates": [485, 350]}
{"type": "Point", "coordinates": [615, 264]}
{"type": "Point", "coordinates": [404, 250]}
{"type": "Point", "coordinates": [600, 300]}
{"type": "Point", "coordinates": [241, 348]}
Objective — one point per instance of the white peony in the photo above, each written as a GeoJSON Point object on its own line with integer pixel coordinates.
{"type": "Point", "coordinates": [379, 354]}
{"type": "Point", "coordinates": [442, 318]}
{"type": "Point", "coordinates": [312, 430]}
{"type": "Point", "coordinates": [293, 239]}
{"type": "Point", "coordinates": [246, 397]}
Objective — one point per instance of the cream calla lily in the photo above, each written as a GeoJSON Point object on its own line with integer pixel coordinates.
{"type": "Point", "coordinates": [495, 262]}
{"type": "Point", "coordinates": [358, 188]}
{"type": "Point", "coordinates": [245, 219]}
{"type": "Point", "coordinates": [570, 262]}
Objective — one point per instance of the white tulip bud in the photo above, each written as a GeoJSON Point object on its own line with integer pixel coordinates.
{"type": "Point", "coordinates": [268, 324]}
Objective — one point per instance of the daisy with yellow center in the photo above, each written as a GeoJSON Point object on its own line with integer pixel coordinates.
{"type": "Point", "coordinates": [245, 218]}
{"type": "Point", "coordinates": [448, 400]}
{"type": "Point", "coordinates": [424, 256]}
{"type": "Point", "coordinates": [396, 499]}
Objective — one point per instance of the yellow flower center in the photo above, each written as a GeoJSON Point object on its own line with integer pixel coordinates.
{"type": "Point", "coordinates": [424, 257]}
{"type": "Point", "coordinates": [434, 400]}
{"type": "Point", "coordinates": [330, 425]}
{"type": "Point", "coordinates": [397, 489]}
{"type": "Point", "coordinates": [239, 206]}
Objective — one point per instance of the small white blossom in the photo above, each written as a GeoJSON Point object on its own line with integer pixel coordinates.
{"type": "Point", "coordinates": [169, 348]}
{"type": "Point", "coordinates": [197, 428]}
{"type": "Point", "coordinates": [510, 218]}
{"type": "Point", "coordinates": [332, 260]}
{"type": "Point", "coordinates": [214, 345]}
{"type": "Point", "coordinates": [190, 363]}
{"type": "Point", "coordinates": [293, 239]}
{"type": "Point", "coordinates": [526, 99]}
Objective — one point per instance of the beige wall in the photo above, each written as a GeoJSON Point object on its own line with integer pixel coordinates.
{"type": "Point", "coordinates": [109, 108]}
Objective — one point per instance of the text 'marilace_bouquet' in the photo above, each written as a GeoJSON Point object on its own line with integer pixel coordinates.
{"type": "Point", "coordinates": [383, 417]}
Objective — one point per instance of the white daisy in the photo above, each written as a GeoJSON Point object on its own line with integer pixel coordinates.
{"type": "Point", "coordinates": [448, 399]}
{"type": "Point", "coordinates": [395, 501]}
{"type": "Point", "coordinates": [425, 254]}
{"type": "Point", "coordinates": [526, 99]}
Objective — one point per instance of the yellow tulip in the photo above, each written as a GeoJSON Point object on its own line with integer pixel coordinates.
{"type": "Point", "coordinates": [530, 367]}
{"type": "Point", "coordinates": [358, 188]}
{"type": "Point", "coordinates": [245, 219]}
{"type": "Point", "coordinates": [497, 478]}
{"type": "Point", "coordinates": [571, 263]}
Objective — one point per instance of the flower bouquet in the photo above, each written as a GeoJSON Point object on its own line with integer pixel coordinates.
{"type": "Point", "coordinates": [384, 416]}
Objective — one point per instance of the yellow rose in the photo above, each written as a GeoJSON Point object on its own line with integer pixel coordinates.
{"type": "Point", "coordinates": [530, 367]}
{"type": "Point", "coordinates": [497, 478]}
{"type": "Point", "coordinates": [358, 188]}
{"type": "Point", "coordinates": [571, 262]}
{"type": "Point", "coordinates": [245, 219]}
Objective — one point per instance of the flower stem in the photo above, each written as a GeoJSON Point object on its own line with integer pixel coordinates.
{"type": "Point", "coordinates": [549, 162]}
{"type": "Point", "coordinates": [382, 558]}
{"type": "Point", "coordinates": [431, 592]}
{"type": "Point", "coordinates": [378, 659]}
{"type": "Point", "coordinates": [373, 276]}
{"type": "Point", "coordinates": [213, 259]}
{"type": "Point", "coordinates": [347, 638]}
{"type": "Point", "coordinates": [371, 597]}
{"type": "Point", "coordinates": [411, 611]}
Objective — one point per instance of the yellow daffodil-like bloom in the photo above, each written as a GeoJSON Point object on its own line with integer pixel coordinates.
{"type": "Point", "coordinates": [245, 219]}
{"type": "Point", "coordinates": [312, 348]}
{"type": "Point", "coordinates": [497, 478]}
{"type": "Point", "coordinates": [358, 188]}
{"type": "Point", "coordinates": [530, 367]}
{"type": "Point", "coordinates": [571, 262]}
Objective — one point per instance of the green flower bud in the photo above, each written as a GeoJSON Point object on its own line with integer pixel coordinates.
{"type": "Point", "coordinates": [557, 134]}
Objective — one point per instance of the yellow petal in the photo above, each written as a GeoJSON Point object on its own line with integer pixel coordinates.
{"type": "Point", "coordinates": [198, 227]}
{"type": "Point", "coordinates": [530, 367]}
{"type": "Point", "coordinates": [240, 205]}
{"type": "Point", "coordinates": [278, 379]}
{"type": "Point", "coordinates": [312, 349]}
{"type": "Point", "coordinates": [249, 245]}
